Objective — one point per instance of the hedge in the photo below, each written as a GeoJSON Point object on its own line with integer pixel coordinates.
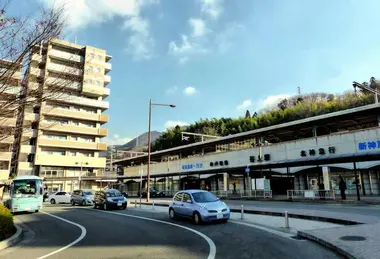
{"type": "Point", "coordinates": [7, 228]}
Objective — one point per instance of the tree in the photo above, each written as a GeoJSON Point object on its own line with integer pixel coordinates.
{"type": "Point", "coordinates": [247, 114]}
{"type": "Point", "coordinates": [20, 39]}
{"type": "Point", "coordinates": [283, 104]}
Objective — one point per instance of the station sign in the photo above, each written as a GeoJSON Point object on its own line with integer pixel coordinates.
{"type": "Point", "coordinates": [192, 166]}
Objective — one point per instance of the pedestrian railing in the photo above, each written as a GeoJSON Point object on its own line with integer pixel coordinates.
{"type": "Point", "coordinates": [243, 194]}
{"type": "Point", "coordinates": [311, 194]}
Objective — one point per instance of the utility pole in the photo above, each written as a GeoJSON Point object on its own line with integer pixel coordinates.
{"type": "Point", "coordinates": [369, 89]}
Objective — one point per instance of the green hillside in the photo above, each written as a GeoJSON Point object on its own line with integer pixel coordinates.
{"type": "Point", "coordinates": [295, 108]}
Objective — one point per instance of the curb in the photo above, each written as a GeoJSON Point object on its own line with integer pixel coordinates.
{"type": "Point", "coordinates": [13, 239]}
{"type": "Point", "coordinates": [279, 214]}
{"type": "Point", "coordinates": [325, 244]}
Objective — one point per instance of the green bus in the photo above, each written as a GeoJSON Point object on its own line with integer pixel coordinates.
{"type": "Point", "coordinates": [25, 194]}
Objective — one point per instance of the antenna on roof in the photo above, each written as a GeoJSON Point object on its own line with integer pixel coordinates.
{"type": "Point", "coordinates": [299, 90]}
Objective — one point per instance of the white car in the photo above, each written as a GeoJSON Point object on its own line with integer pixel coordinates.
{"type": "Point", "coordinates": [60, 197]}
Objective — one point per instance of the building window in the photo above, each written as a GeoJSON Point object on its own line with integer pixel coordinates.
{"type": "Point", "coordinates": [76, 109]}
{"type": "Point", "coordinates": [98, 70]}
{"type": "Point", "coordinates": [100, 57]}
{"type": "Point", "coordinates": [97, 83]}
{"type": "Point", "coordinates": [89, 81]}
{"type": "Point", "coordinates": [75, 123]}
{"type": "Point", "coordinates": [92, 55]}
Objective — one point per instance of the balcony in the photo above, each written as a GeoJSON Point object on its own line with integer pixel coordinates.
{"type": "Point", "coordinates": [5, 156]}
{"type": "Point", "coordinates": [102, 118]}
{"type": "Point", "coordinates": [79, 100]}
{"type": "Point", "coordinates": [107, 80]}
{"type": "Point", "coordinates": [7, 122]}
{"type": "Point", "coordinates": [74, 129]}
{"type": "Point", "coordinates": [4, 175]}
{"type": "Point", "coordinates": [70, 161]}
{"type": "Point", "coordinates": [25, 166]}
{"type": "Point", "coordinates": [28, 149]}
{"type": "Point", "coordinates": [36, 72]}
{"type": "Point", "coordinates": [31, 133]}
{"type": "Point", "coordinates": [95, 90]}
{"type": "Point", "coordinates": [72, 144]}
{"type": "Point", "coordinates": [10, 73]}
{"type": "Point", "coordinates": [108, 67]}
{"type": "Point", "coordinates": [10, 89]}
{"type": "Point", "coordinates": [63, 83]}
{"type": "Point", "coordinates": [65, 69]}
{"type": "Point", "coordinates": [33, 85]}
{"type": "Point", "coordinates": [65, 56]}
{"type": "Point", "coordinates": [31, 116]}
{"type": "Point", "coordinates": [7, 140]}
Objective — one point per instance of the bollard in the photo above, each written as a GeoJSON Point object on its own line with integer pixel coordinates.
{"type": "Point", "coordinates": [153, 204]}
{"type": "Point", "coordinates": [286, 220]}
{"type": "Point", "coordinates": [140, 204]}
{"type": "Point", "coordinates": [242, 212]}
{"type": "Point", "coordinates": [135, 203]}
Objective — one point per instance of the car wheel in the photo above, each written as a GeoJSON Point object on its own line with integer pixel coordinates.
{"type": "Point", "coordinates": [224, 220]}
{"type": "Point", "coordinates": [95, 206]}
{"type": "Point", "coordinates": [197, 218]}
{"type": "Point", "coordinates": [52, 201]}
{"type": "Point", "coordinates": [84, 203]}
{"type": "Point", "coordinates": [72, 203]}
{"type": "Point", "coordinates": [105, 207]}
{"type": "Point", "coordinates": [172, 214]}
{"type": "Point", "coordinates": [124, 207]}
{"type": "Point", "coordinates": [36, 211]}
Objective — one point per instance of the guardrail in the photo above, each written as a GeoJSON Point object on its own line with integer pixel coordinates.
{"type": "Point", "coordinates": [311, 194]}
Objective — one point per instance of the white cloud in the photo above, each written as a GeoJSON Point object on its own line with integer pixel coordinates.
{"type": "Point", "coordinates": [199, 28]}
{"type": "Point", "coordinates": [81, 13]}
{"type": "Point", "coordinates": [244, 105]}
{"type": "Point", "coordinates": [173, 124]}
{"type": "Point", "coordinates": [140, 43]}
{"type": "Point", "coordinates": [189, 90]}
{"type": "Point", "coordinates": [171, 90]}
{"type": "Point", "coordinates": [270, 101]}
{"type": "Point", "coordinates": [186, 48]}
{"type": "Point", "coordinates": [212, 8]}
{"type": "Point", "coordinates": [116, 140]}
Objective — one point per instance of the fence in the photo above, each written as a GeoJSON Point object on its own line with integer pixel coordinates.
{"type": "Point", "coordinates": [311, 194]}
{"type": "Point", "coordinates": [243, 194]}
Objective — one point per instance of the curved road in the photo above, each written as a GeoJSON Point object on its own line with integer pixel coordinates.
{"type": "Point", "coordinates": [125, 234]}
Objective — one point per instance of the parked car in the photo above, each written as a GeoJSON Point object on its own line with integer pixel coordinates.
{"type": "Point", "coordinates": [110, 198]}
{"type": "Point", "coordinates": [82, 197]}
{"type": "Point", "coordinates": [59, 197]}
{"type": "Point", "coordinates": [199, 205]}
{"type": "Point", "coordinates": [153, 193]}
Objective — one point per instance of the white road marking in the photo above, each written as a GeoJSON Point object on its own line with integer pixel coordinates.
{"type": "Point", "coordinates": [279, 233]}
{"type": "Point", "coordinates": [82, 235]}
{"type": "Point", "coordinates": [211, 243]}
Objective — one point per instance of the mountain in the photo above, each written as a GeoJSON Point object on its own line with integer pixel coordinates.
{"type": "Point", "coordinates": [140, 141]}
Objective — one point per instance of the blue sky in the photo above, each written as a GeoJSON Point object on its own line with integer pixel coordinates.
{"type": "Point", "coordinates": [215, 58]}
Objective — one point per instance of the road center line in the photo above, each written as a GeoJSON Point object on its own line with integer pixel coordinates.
{"type": "Point", "coordinates": [211, 243]}
{"type": "Point", "coordinates": [82, 235]}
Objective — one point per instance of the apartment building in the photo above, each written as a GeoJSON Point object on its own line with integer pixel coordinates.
{"type": "Point", "coordinates": [10, 89]}
{"type": "Point", "coordinates": [62, 131]}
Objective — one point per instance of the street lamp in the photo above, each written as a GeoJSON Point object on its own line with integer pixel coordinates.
{"type": "Point", "coordinates": [149, 140]}
{"type": "Point", "coordinates": [80, 174]}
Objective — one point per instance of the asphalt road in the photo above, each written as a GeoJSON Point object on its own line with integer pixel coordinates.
{"type": "Point", "coordinates": [125, 234]}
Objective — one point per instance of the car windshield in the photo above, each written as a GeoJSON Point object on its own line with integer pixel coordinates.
{"type": "Point", "coordinates": [113, 194]}
{"type": "Point", "coordinates": [88, 192]}
{"type": "Point", "coordinates": [201, 197]}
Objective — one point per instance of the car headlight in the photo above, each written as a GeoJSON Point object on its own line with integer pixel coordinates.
{"type": "Point", "coordinates": [125, 199]}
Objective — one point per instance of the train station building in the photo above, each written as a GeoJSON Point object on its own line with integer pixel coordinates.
{"type": "Point", "coordinates": [290, 158]}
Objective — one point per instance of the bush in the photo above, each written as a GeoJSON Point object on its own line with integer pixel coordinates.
{"type": "Point", "coordinates": [7, 227]}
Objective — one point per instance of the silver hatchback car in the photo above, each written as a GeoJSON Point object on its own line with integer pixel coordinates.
{"type": "Point", "coordinates": [199, 205]}
{"type": "Point", "coordinates": [82, 197]}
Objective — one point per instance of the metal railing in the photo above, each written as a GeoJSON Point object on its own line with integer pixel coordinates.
{"type": "Point", "coordinates": [311, 194]}
{"type": "Point", "coordinates": [243, 194]}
